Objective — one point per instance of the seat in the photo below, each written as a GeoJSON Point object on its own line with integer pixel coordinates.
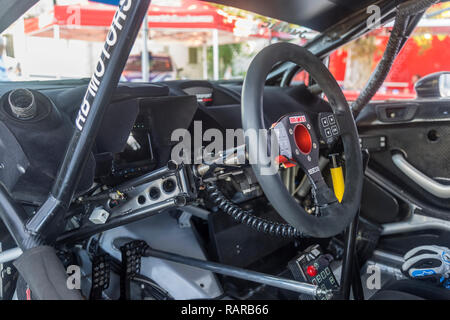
{"type": "Point", "coordinates": [411, 290]}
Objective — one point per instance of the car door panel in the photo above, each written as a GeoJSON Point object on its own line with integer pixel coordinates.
{"type": "Point", "coordinates": [419, 130]}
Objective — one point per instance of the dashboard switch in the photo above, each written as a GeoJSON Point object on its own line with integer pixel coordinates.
{"type": "Point", "coordinates": [311, 271]}
{"type": "Point", "coordinates": [331, 120]}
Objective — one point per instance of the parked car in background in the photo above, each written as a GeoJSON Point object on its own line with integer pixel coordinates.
{"type": "Point", "coordinates": [161, 68]}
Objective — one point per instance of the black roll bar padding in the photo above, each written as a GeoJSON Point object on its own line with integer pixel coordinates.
{"type": "Point", "coordinates": [13, 216]}
{"type": "Point", "coordinates": [45, 275]}
{"type": "Point", "coordinates": [349, 256]}
{"type": "Point", "coordinates": [39, 265]}
{"type": "Point", "coordinates": [350, 265]}
{"type": "Point", "coordinates": [408, 16]}
{"type": "Point", "coordinates": [357, 287]}
{"type": "Point", "coordinates": [123, 32]}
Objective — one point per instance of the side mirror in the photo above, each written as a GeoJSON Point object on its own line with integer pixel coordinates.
{"type": "Point", "coordinates": [444, 85]}
{"type": "Point", "coordinates": [435, 85]}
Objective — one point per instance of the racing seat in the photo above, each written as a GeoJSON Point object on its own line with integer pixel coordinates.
{"type": "Point", "coordinates": [411, 290]}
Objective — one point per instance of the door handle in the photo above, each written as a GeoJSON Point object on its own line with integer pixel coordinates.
{"type": "Point", "coordinates": [435, 188]}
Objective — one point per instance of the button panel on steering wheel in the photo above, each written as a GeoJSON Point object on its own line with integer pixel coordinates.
{"type": "Point", "coordinates": [328, 127]}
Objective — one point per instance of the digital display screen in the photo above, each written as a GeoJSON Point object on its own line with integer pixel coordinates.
{"type": "Point", "coordinates": [137, 148]}
{"type": "Point", "coordinates": [137, 157]}
{"type": "Point", "coordinates": [204, 94]}
{"type": "Point", "coordinates": [149, 142]}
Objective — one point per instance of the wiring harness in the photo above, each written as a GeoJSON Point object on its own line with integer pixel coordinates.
{"type": "Point", "coordinates": [245, 217]}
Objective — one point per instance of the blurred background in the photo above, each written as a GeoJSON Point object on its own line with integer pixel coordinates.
{"type": "Point", "coordinates": [191, 39]}
{"type": "Point", "coordinates": [185, 39]}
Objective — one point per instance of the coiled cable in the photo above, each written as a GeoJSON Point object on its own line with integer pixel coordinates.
{"type": "Point", "coordinates": [245, 217]}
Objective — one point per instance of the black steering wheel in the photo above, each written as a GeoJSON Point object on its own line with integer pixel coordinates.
{"type": "Point", "coordinates": [298, 141]}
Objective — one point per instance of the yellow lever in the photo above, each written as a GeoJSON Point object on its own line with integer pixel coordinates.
{"type": "Point", "coordinates": [337, 176]}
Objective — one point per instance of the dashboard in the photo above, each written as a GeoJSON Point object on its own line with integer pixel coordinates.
{"type": "Point", "coordinates": [135, 134]}
{"type": "Point", "coordinates": [217, 106]}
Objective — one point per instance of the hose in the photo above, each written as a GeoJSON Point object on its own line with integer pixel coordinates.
{"type": "Point", "coordinates": [395, 43]}
{"type": "Point", "coordinates": [242, 216]}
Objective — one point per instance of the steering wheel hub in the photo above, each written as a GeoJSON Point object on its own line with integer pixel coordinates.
{"type": "Point", "coordinates": [302, 139]}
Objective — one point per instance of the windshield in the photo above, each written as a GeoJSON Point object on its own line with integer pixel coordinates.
{"type": "Point", "coordinates": [185, 39]}
{"type": "Point", "coordinates": [191, 39]}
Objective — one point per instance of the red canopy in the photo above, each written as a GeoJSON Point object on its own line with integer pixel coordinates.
{"type": "Point", "coordinates": [91, 20]}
